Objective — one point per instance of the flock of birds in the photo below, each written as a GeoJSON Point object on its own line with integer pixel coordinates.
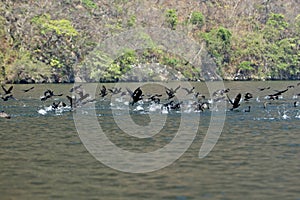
{"type": "Point", "coordinates": [164, 102]}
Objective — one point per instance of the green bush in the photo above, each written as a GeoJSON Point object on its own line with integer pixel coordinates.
{"type": "Point", "coordinates": [131, 21]}
{"type": "Point", "coordinates": [89, 4]}
{"type": "Point", "coordinates": [172, 18]}
{"type": "Point", "coordinates": [197, 18]}
{"type": "Point", "coordinates": [25, 68]}
{"type": "Point", "coordinates": [61, 27]}
{"type": "Point", "coordinates": [246, 66]}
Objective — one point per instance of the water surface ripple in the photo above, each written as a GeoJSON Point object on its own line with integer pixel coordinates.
{"type": "Point", "coordinates": [256, 157]}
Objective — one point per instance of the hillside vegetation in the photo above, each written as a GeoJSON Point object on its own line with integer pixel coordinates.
{"type": "Point", "coordinates": [52, 41]}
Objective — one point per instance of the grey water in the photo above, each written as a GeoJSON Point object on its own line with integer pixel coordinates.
{"type": "Point", "coordinates": [256, 156]}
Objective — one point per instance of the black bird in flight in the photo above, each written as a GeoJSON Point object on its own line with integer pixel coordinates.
{"type": "Point", "coordinates": [175, 106]}
{"type": "Point", "coordinates": [220, 92]}
{"type": "Point", "coordinates": [202, 106]}
{"type": "Point", "coordinates": [7, 91]}
{"type": "Point", "coordinates": [189, 91]}
{"type": "Point", "coordinates": [73, 89]}
{"type": "Point", "coordinates": [136, 95]}
{"type": "Point", "coordinates": [71, 100]}
{"type": "Point", "coordinates": [155, 98]}
{"type": "Point", "coordinates": [58, 105]}
{"type": "Point", "coordinates": [115, 90]}
{"type": "Point", "coordinates": [27, 90]}
{"type": "Point", "coordinates": [264, 88]}
{"type": "Point", "coordinates": [275, 96]}
{"type": "Point", "coordinates": [103, 91]}
{"type": "Point", "coordinates": [81, 98]}
{"type": "Point", "coordinates": [171, 92]}
{"type": "Point", "coordinates": [6, 97]}
{"type": "Point", "coordinates": [236, 102]}
{"type": "Point", "coordinates": [48, 94]}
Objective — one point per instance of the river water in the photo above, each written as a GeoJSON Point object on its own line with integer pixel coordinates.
{"type": "Point", "coordinates": [42, 155]}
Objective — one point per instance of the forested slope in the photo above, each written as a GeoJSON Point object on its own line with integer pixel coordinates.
{"type": "Point", "coordinates": [49, 41]}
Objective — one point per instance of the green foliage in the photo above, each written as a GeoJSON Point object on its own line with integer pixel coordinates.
{"type": "Point", "coordinates": [276, 25]}
{"type": "Point", "coordinates": [218, 42]}
{"type": "Point", "coordinates": [282, 57]}
{"type": "Point", "coordinates": [126, 61]}
{"type": "Point", "coordinates": [24, 68]}
{"type": "Point", "coordinates": [90, 4]}
{"type": "Point", "coordinates": [277, 21]}
{"type": "Point", "coordinates": [54, 46]}
{"type": "Point", "coordinates": [55, 63]}
{"type": "Point", "coordinates": [224, 35]}
{"type": "Point", "coordinates": [273, 52]}
{"type": "Point", "coordinates": [177, 63]}
{"type": "Point", "coordinates": [197, 18]}
{"type": "Point", "coordinates": [172, 18]}
{"type": "Point", "coordinates": [296, 27]}
{"type": "Point", "coordinates": [131, 21]}
{"type": "Point", "coordinates": [220, 37]}
{"type": "Point", "coordinates": [170, 61]}
{"type": "Point", "coordinates": [61, 27]}
{"type": "Point", "coordinates": [100, 66]}
{"type": "Point", "coordinates": [246, 66]}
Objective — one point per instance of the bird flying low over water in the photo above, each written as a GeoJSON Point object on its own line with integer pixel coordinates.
{"type": "Point", "coordinates": [220, 92]}
{"type": "Point", "coordinates": [73, 89]}
{"type": "Point", "coordinates": [71, 100]}
{"type": "Point", "coordinates": [49, 94]}
{"type": "Point", "coordinates": [198, 95]}
{"type": "Point", "coordinates": [171, 92]}
{"type": "Point", "coordinates": [155, 98]}
{"type": "Point", "coordinates": [6, 97]}
{"type": "Point", "coordinates": [275, 95]}
{"type": "Point", "coordinates": [136, 95]}
{"type": "Point", "coordinates": [264, 88]}
{"type": "Point", "coordinates": [202, 106]}
{"type": "Point", "coordinates": [236, 102]}
{"type": "Point", "coordinates": [81, 98]}
{"type": "Point", "coordinates": [115, 90]}
{"type": "Point", "coordinates": [103, 91]}
{"type": "Point", "coordinates": [189, 91]}
{"type": "Point", "coordinates": [27, 90]}
{"type": "Point", "coordinates": [58, 105]}
{"type": "Point", "coordinates": [7, 91]}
